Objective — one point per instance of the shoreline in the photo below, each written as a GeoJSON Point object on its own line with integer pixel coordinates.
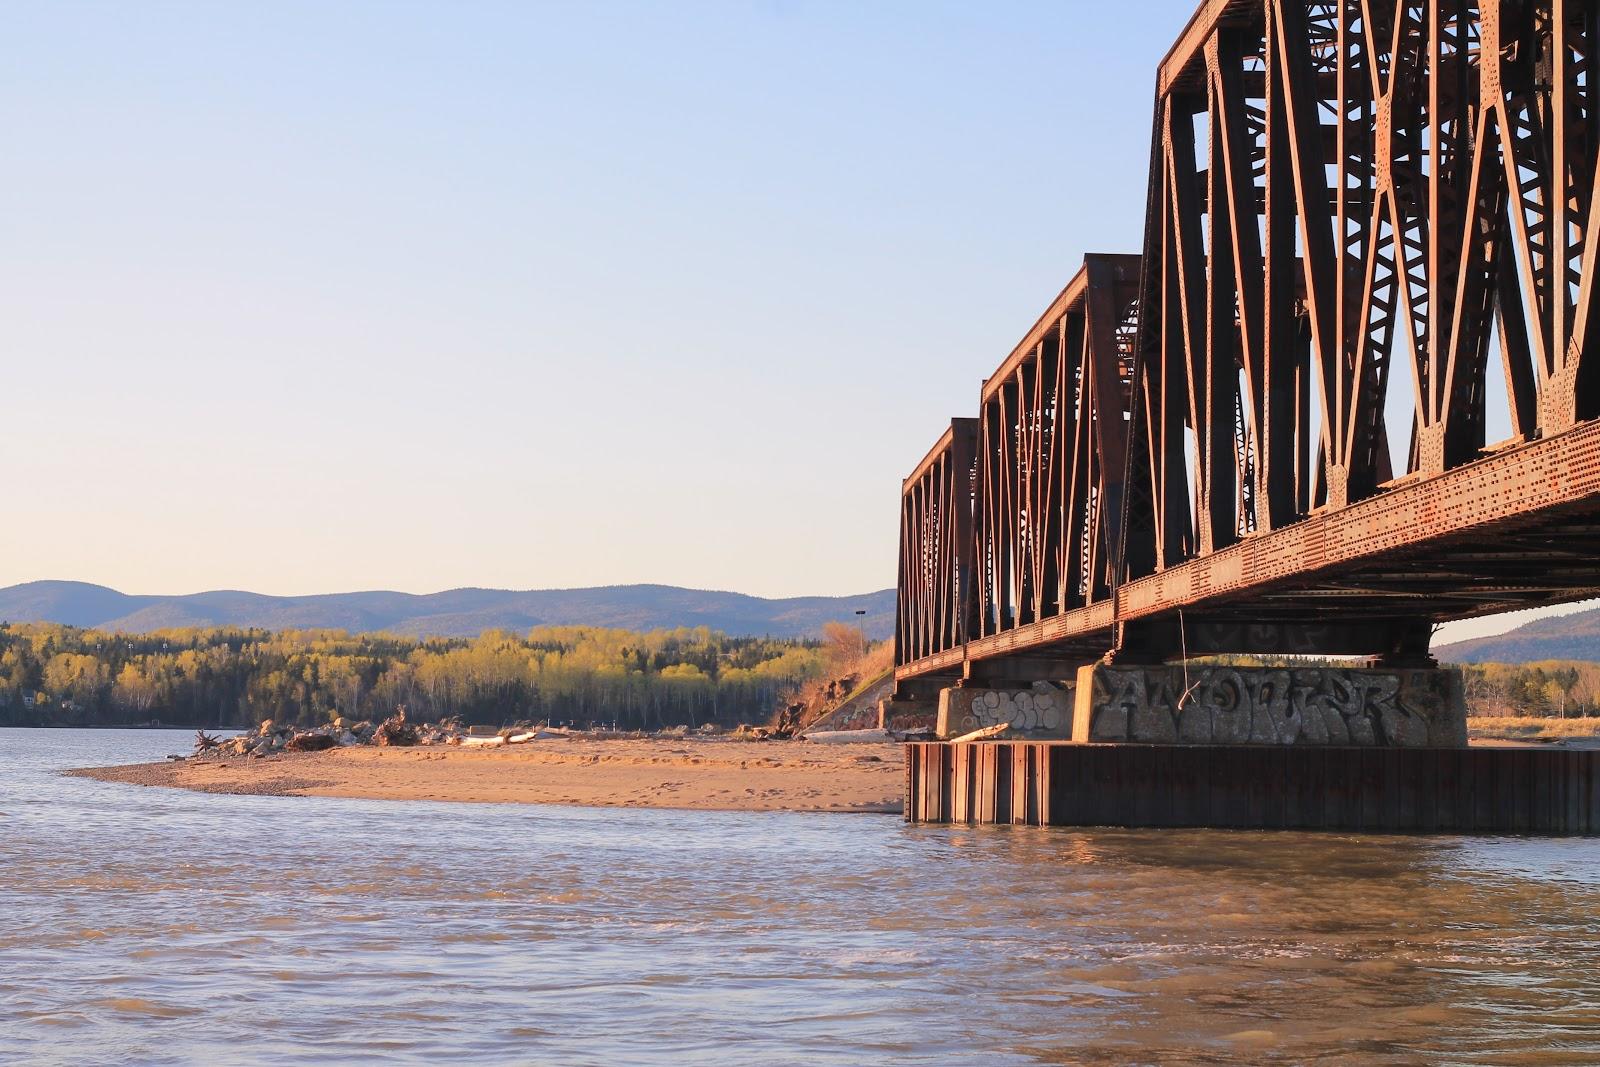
{"type": "Point", "coordinates": [693, 774]}
{"type": "Point", "coordinates": [707, 774]}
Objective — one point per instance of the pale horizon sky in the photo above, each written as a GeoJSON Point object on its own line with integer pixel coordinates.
{"type": "Point", "coordinates": [305, 298]}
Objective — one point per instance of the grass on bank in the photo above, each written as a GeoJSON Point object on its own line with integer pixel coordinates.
{"type": "Point", "coordinates": [1508, 728]}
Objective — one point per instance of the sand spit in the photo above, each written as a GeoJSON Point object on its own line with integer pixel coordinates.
{"type": "Point", "coordinates": [709, 774]}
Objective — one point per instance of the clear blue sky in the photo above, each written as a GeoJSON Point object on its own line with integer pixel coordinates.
{"type": "Point", "coordinates": [318, 297]}
{"type": "Point", "coordinates": [314, 297]}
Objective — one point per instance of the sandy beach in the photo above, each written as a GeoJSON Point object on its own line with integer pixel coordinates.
{"type": "Point", "coordinates": [688, 773]}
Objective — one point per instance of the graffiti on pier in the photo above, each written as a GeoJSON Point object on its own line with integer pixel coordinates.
{"type": "Point", "coordinates": [1277, 706]}
{"type": "Point", "coordinates": [1043, 710]}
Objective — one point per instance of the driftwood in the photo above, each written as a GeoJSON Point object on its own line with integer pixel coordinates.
{"type": "Point", "coordinates": [983, 734]}
{"type": "Point", "coordinates": [395, 730]}
{"type": "Point", "coordinates": [839, 737]}
{"type": "Point", "coordinates": [788, 722]}
{"type": "Point", "coordinates": [270, 737]}
{"type": "Point", "coordinates": [521, 737]}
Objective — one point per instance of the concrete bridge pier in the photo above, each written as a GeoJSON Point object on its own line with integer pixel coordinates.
{"type": "Point", "coordinates": [1406, 707]}
{"type": "Point", "coordinates": [913, 706]}
{"type": "Point", "coordinates": [1379, 748]}
{"type": "Point", "coordinates": [1042, 710]}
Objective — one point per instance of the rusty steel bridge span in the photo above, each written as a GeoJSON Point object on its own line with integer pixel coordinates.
{"type": "Point", "coordinates": [1354, 207]}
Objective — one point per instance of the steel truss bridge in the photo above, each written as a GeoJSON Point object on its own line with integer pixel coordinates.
{"type": "Point", "coordinates": [1189, 452]}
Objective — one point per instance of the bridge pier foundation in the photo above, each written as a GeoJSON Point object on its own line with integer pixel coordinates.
{"type": "Point", "coordinates": [913, 706]}
{"type": "Point", "coordinates": [1404, 707]}
{"type": "Point", "coordinates": [1042, 710]}
{"type": "Point", "coordinates": [1368, 748]}
{"type": "Point", "coordinates": [1309, 787]}
{"type": "Point", "coordinates": [908, 714]}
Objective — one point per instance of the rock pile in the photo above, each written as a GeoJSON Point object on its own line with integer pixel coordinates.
{"type": "Point", "coordinates": [398, 730]}
{"type": "Point", "coordinates": [272, 737]}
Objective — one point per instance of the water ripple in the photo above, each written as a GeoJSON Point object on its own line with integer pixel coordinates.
{"type": "Point", "coordinates": [161, 927]}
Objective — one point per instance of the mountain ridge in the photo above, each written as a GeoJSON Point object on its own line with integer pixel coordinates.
{"type": "Point", "coordinates": [469, 610]}
{"type": "Point", "coordinates": [461, 612]}
{"type": "Point", "coordinates": [1574, 636]}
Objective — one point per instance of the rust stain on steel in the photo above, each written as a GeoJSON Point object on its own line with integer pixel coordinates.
{"type": "Point", "coordinates": [1333, 189]}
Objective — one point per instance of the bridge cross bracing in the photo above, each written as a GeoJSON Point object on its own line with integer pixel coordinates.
{"type": "Point", "coordinates": [1192, 451]}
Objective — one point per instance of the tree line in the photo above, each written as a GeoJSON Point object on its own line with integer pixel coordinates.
{"type": "Point", "coordinates": [1550, 688]}
{"type": "Point", "coordinates": [52, 674]}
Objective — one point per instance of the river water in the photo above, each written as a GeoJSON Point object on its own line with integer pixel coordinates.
{"type": "Point", "coordinates": [154, 926]}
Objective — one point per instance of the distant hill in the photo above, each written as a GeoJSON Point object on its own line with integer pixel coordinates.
{"type": "Point", "coordinates": [1575, 636]}
{"type": "Point", "coordinates": [454, 613]}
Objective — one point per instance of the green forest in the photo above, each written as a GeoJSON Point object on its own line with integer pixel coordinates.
{"type": "Point", "coordinates": [53, 675]}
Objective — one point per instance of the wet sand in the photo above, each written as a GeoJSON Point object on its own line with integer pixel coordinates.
{"type": "Point", "coordinates": [705, 774]}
